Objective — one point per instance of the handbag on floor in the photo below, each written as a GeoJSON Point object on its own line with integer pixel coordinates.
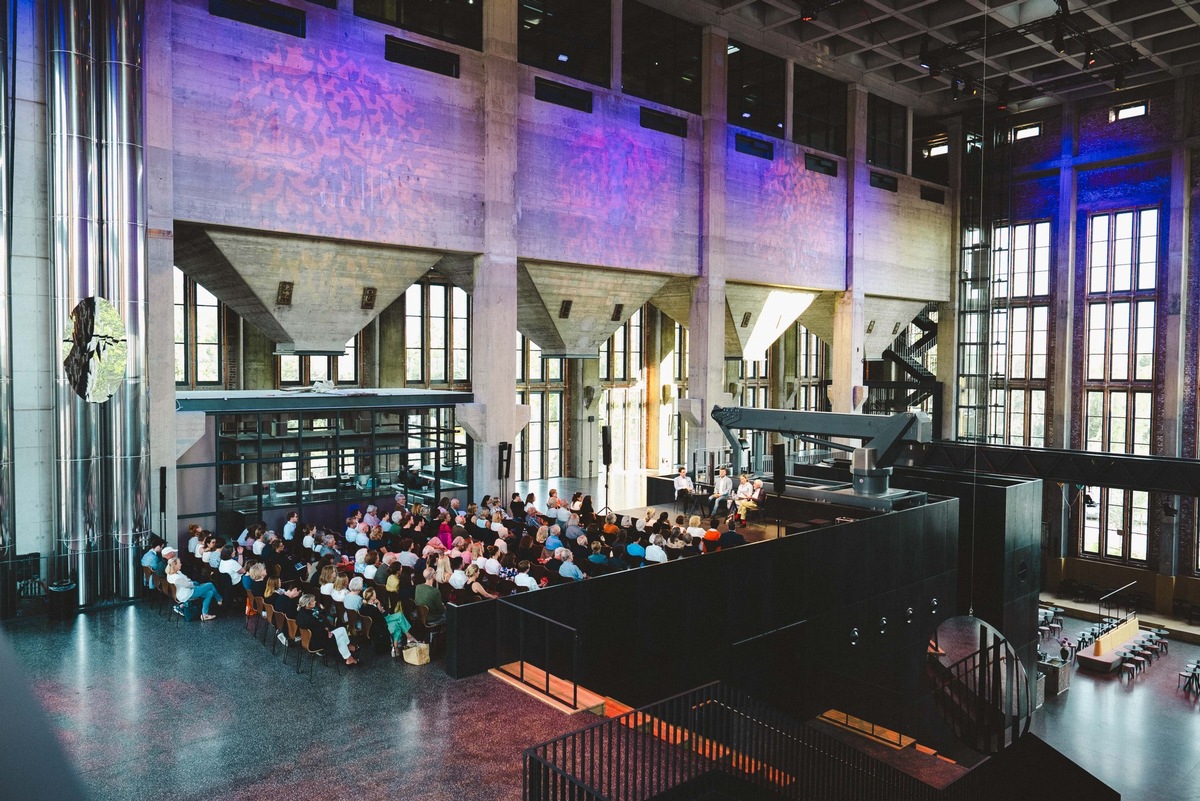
{"type": "Point", "coordinates": [417, 654]}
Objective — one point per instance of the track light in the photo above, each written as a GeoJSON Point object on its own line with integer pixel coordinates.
{"type": "Point", "coordinates": [1118, 80]}
{"type": "Point", "coordinates": [1089, 58]}
{"type": "Point", "coordinates": [923, 56]}
{"type": "Point", "coordinates": [1060, 43]}
{"type": "Point", "coordinates": [954, 84]}
{"type": "Point", "coordinates": [807, 14]}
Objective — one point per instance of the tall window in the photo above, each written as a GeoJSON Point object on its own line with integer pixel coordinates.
{"type": "Point", "coordinates": [755, 89]}
{"type": "Point", "coordinates": [819, 111]}
{"type": "Point", "coordinates": [1120, 307]}
{"type": "Point", "coordinates": [436, 334]}
{"type": "Point", "coordinates": [1020, 333]}
{"type": "Point", "coordinates": [304, 370]}
{"type": "Point", "coordinates": [887, 133]}
{"type": "Point", "coordinates": [621, 355]}
{"type": "Point", "coordinates": [567, 37]}
{"type": "Point", "coordinates": [541, 383]}
{"type": "Point", "coordinates": [660, 57]}
{"type": "Point", "coordinates": [198, 316]}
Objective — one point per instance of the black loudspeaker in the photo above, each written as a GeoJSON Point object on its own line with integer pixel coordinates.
{"type": "Point", "coordinates": [606, 444]}
{"type": "Point", "coordinates": [505, 465]}
{"type": "Point", "coordinates": [778, 457]}
{"type": "Point", "coordinates": [162, 488]}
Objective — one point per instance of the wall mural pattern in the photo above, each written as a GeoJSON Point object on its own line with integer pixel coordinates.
{"type": "Point", "coordinates": [605, 196]}
{"type": "Point", "coordinates": [321, 140]}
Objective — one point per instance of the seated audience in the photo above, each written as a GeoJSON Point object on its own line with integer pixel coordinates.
{"type": "Point", "coordinates": [187, 590]}
{"type": "Point", "coordinates": [321, 636]}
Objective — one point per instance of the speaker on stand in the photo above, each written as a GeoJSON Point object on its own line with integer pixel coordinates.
{"type": "Point", "coordinates": [606, 454]}
{"type": "Point", "coordinates": [504, 467]}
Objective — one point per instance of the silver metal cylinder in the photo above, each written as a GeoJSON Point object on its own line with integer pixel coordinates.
{"type": "Point", "coordinates": [71, 185]}
{"type": "Point", "coordinates": [8, 536]}
{"type": "Point", "coordinates": [122, 252]}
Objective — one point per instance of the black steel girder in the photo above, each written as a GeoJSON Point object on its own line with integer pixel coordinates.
{"type": "Point", "coordinates": [1083, 468]}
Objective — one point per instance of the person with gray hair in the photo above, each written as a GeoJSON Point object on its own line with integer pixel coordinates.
{"type": "Point", "coordinates": [320, 635]}
{"type": "Point", "coordinates": [353, 599]}
{"type": "Point", "coordinates": [569, 569]}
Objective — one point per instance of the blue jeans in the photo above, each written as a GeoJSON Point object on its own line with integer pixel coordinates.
{"type": "Point", "coordinates": [717, 501]}
{"type": "Point", "coordinates": [205, 592]}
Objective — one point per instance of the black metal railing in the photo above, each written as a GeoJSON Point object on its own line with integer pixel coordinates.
{"type": "Point", "coordinates": [888, 397]}
{"type": "Point", "coordinates": [28, 581]}
{"type": "Point", "coordinates": [986, 697]}
{"type": "Point", "coordinates": [713, 736]}
{"type": "Point", "coordinates": [526, 639]}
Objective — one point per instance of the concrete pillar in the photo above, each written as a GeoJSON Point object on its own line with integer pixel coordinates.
{"type": "Point", "coordinates": [391, 345]}
{"type": "Point", "coordinates": [160, 262]}
{"type": "Point", "coordinates": [1058, 429]}
{"type": "Point", "coordinates": [494, 297]}
{"type": "Point", "coordinates": [789, 99]}
{"type": "Point", "coordinates": [947, 333]}
{"type": "Point", "coordinates": [846, 392]}
{"type": "Point", "coordinates": [1172, 321]}
{"type": "Point", "coordinates": [583, 446]}
{"type": "Point", "coordinates": [656, 378]}
{"type": "Point", "coordinates": [706, 327]}
{"type": "Point", "coordinates": [257, 369]}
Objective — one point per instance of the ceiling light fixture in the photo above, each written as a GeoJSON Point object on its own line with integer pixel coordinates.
{"type": "Point", "coordinates": [1060, 42]}
{"type": "Point", "coordinates": [1089, 58]}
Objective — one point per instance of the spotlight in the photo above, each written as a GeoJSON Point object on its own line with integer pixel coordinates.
{"type": "Point", "coordinates": [1060, 43]}
{"type": "Point", "coordinates": [807, 14]}
{"type": "Point", "coordinates": [923, 57]}
{"type": "Point", "coordinates": [954, 86]}
{"type": "Point", "coordinates": [1089, 59]}
{"type": "Point", "coordinates": [1118, 80]}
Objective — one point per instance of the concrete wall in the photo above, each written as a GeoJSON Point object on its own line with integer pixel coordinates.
{"type": "Point", "coordinates": [907, 248]}
{"type": "Point", "coordinates": [600, 189]}
{"type": "Point", "coordinates": [322, 135]}
{"type": "Point", "coordinates": [785, 224]}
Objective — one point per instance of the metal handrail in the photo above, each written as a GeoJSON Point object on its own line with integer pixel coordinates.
{"type": "Point", "coordinates": [520, 675]}
{"type": "Point", "coordinates": [712, 729]}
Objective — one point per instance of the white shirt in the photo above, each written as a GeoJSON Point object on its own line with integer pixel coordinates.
{"type": "Point", "coordinates": [363, 538]}
{"type": "Point", "coordinates": [745, 490]}
{"type": "Point", "coordinates": [258, 547]}
{"type": "Point", "coordinates": [369, 572]}
{"type": "Point", "coordinates": [327, 589]}
{"type": "Point", "coordinates": [407, 558]}
{"type": "Point", "coordinates": [308, 541]}
{"type": "Point", "coordinates": [193, 544]}
{"type": "Point", "coordinates": [183, 586]}
{"type": "Point", "coordinates": [231, 567]}
{"type": "Point", "coordinates": [684, 482]}
{"type": "Point", "coordinates": [502, 544]}
{"type": "Point", "coordinates": [655, 553]}
{"type": "Point", "coordinates": [338, 595]}
{"type": "Point", "coordinates": [458, 579]}
{"type": "Point", "coordinates": [244, 540]}
{"type": "Point", "coordinates": [491, 566]}
{"type": "Point", "coordinates": [525, 580]}
{"type": "Point", "coordinates": [564, 514]}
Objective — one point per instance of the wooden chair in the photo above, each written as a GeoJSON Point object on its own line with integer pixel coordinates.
{"type": "Point", "coordinates": [269, 617]}
{"type": "Point", "coordinates": [280, 621]}
{"type": "Point", "coordinates": [161, 586]}
{"type": "Point", "coordinates": [257, 605]}
{"type": "Point", "coordinates": [423, 624]}
{"type": "Point", "coordinates": [306, 648]}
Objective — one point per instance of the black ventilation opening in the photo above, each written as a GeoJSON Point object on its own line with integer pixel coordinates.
{"type": "Point", "coordinates": [664, 123]}
{"type": "Point", "coordinates": [422, 57]}
{"type": "Point", "coordinates": [933, 195]}
{"type": "Point", "coordinates": [262, 14]}
{"type": "Point", "coordinates": [562, 95]}
{"type": "Point", "coordinates": [754, 147]}
{"type": "Point", "coordinates": [820, 164]}
{"type": "Point", "coordinates": [881, 180]}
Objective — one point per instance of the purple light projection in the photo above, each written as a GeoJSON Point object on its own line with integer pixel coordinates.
{"type": "Point", "coordinates": [324, 141]}
{"type": "Point", "coordinates": [608, 196]}
{"type": "Point", "coordinates": [785, 222]}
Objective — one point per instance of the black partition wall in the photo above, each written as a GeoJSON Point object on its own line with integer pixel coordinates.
{"type": "Point", "coordinates": [777, 617]}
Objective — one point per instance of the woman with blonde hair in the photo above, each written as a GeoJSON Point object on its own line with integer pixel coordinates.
{"type": "Point", "coordinates": [443, 570]}
{"type": "Point", "coordinates": [474, 586]}
{"type": "Point", "coordinates": [338, 593]}
{"type": "Point", "coordinates": [328, 574]}
{"type": "Point", "coordinates": [187, 590]}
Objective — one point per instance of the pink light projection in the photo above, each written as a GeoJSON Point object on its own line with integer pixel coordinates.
{"type": "Point", "coordinates": [324, 141]}
{"type": "Point", "coordinates": [606, 196]}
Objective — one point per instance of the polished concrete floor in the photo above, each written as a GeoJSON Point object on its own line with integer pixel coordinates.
{"type": "Point", "coordinates": [1139, 736]}
{"type": "Point", "coordinates": [149, 709]}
